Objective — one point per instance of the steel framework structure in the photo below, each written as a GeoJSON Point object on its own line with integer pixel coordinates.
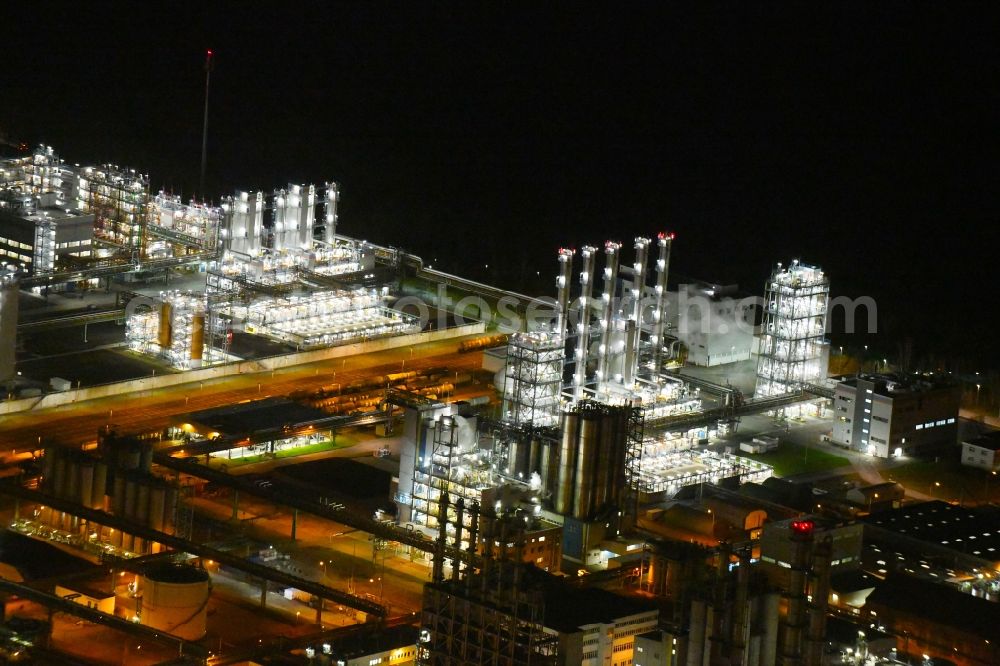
{"type": "Point", "coordinates": [794, 327]}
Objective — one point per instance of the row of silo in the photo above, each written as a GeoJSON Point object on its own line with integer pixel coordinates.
{"type": "Point", "coordinates": [143, 499]}
{"type": "Point", "coordinates": [74, 476]}
{"type": "Point", "coordinates": [586, 469]}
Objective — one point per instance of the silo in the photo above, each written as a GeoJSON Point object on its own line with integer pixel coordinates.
{"type": "Point", "coordinates": [586, 460]}
{"type": "Point", "coordinates": [534, 457]}
{"type": "Point", "coordinates": [545, 467]}
{"type": "Point", "coordinates": [118, 497]}
{"type": "Point", "coordinates": [130, 498]}
{"type": "Point", "coordinates": [617, 474]}
{"type": "Point", "coordinates": [130, 459]}
{"type": "Point", "coordinates": [513, 450]}
{"type": "Point", "coordinates": [605, 459]}
{"type": "Point", "coordinates": [142, 501]}
{"type": "Point", "coordinates": [170, 511]}
{"type": "Point", "coordinates": [59, 477]}
{"type": "Point", "coordinates": [165, 335]}
{"type": "Point", "coordinates": [175, 600]}
{"type": "Point", "coordinates": [48, 469]}
{"type": "Point", "coordinates": [157, 501]}
{"type": "Point", "coordinates": [8, 324]}
{"type": "Point", "coordinates": [145, 456]}
{"type": "Point", "coordinates": [72, 477]}
{"type": "Point", "coordinates": [100, 486]}
{"type": "Point", "coordinates": [86, 485]}
{"type": "Point", "coordinates": [567, 463]}
{"type": "Point", "coordinates": [197, 338]}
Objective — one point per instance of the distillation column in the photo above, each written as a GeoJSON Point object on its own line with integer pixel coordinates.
{"type": "Point", "coordinates": [588, 254]}
{"type": "Point", "coordinates": [330, 213]}
{"type": "Point", "coordinates": [608, 313]}
{"type": "Point", "coordinates": [630, 364]}
{"type": "Point", "coordinates": [659, 313]}
{"type": "Point", "coordinates": [562, 291]}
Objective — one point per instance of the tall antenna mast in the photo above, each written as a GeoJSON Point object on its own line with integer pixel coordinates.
{"type": "Point", "coordinates": [204, 127]}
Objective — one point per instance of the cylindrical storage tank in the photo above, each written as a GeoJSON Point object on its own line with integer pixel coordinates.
{"type": "Point", "coordinates": [769, 641]}
{"type": "Point", "coordinates": [49, 469]}
{"type": "Point", "coordinates": [72, 477]}
{"type": "Point", "coordinates": [605, 461]}
{"type": "Point", "coordinates": [175, 600]}
{"type": "Point", "coordinates": [165, 334]}
{"type": "Point", "coordinates": [130, 458]}
{"type": "Point", "coordinates": [146, 456]}
{"type": "Point", "coordinates": [534, 457]}
{"type": "Point", "coordinates": [513, 449]}
{"type": "Point", "coordinates": [142, 502]}
{"type": "Point", "coordinates": [157, 500]}
{"type": "Point", "coordinates": [545, 466]}
{"type": "Point", "coordinates": [169, 511]}
{"type": "Point", "coordinates": [567, 463]}
{"type": "Point", "coordinates": [8, 324]}
{"type": "Point", "coordinates": [86, 483]}
{"type": "Point", "coordinates": [523, 458]}
{"type": "Point", "coordinates": [618, 474]}
{"type": "Point", "coordinates": [59, 477]}
{"type": "Point", "coordinates": [586, 459]}
{"type": "Point", "coordinates": [197, 337]}
{"type": "Point", "coordinates": [100, 486]}
{"type": "Point", "coordinates": [118, 497]}
{"type": "Point", "coordinates": [130, 498]}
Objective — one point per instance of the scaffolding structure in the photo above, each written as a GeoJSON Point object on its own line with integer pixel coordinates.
{"type": "Point", "coordinates": [794, 326]}
{"type": "Point", "coordinates": [325, 318]}
{"type": "Point", "coordinates": [175, 331]}
{"type": "Point", "coordinates": [44, 252]}
{"type": "Point", "coordinates": [451, 465]}
{"type": "Point", "coordinates": [119, 202]}
{"type": "Point", "coordinates": [491, 615]}
{"type": "Point", "coordinates": [665, 470]}
{"type": "Point", "coordinates": [533, 378]}
{"type": "Point", "coordinates": [185, 227]}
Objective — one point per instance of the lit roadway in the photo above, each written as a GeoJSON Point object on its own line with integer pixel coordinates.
{"type": "Point", "coordinates": [154, 409]}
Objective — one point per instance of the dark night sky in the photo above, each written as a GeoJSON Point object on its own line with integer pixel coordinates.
{"type": "Point", "coordinates": [861, 137]}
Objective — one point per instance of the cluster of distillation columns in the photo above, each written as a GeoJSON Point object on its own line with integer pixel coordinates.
{"type": "Point", "coordinates": [613, 342]}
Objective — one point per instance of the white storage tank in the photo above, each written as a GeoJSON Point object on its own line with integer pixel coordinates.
{"type": "Point", "coordinates": [175, 600]}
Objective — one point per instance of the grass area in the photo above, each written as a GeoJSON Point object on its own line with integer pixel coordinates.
{"type": "Point", "coordinates": [946, 479]}
{"type": "Point", "coordinates": [791, 459]}
{"type": "Point", "coordinates": [341, 441]}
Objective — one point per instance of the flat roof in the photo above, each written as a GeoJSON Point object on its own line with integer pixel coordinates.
{"type": "Point", "coordinates": [990, 440]}
{"type": "Point", "coordinates": [939, 604]}
{"type": "Point", "coordinates": [889, 384]}
{"type": "Point", "coordinates": [248, 417]}
{"type": "Point", "coordinates": [973, 532]}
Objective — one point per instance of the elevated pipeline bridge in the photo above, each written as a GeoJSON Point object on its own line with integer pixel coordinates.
{"type": "Point", "coordinates": [57, 603]}
{"type": "Point", "coordinates": [256, 570]}
{"type": "Point", "coordinates": [707, 417]}
{"type": "Point", "coordinates": [344, 516]}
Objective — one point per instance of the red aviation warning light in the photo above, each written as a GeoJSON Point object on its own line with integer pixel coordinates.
{"type": "Point", "coordinates": [803, 527]}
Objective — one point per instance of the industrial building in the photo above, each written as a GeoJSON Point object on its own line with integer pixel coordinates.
{"type": "Point", "coordinates": [511, 613]}
{"type": "Point", "coordinates": [715, 323]}
{"type": "Point", "coordinates": [793, 348]}
{"type": "Point", "coordinates": [981, 451]}
{"type": "Point", "coordinates": [890, 415]}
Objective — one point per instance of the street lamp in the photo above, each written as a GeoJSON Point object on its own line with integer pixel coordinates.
{"type": "Point", "coordinates": [978, 386]}
{"type": "Point", "coordinates": [931, 488]}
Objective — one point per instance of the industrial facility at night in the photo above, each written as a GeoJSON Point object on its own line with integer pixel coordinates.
{"type": "Point", "coordinates": [475, 402]}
